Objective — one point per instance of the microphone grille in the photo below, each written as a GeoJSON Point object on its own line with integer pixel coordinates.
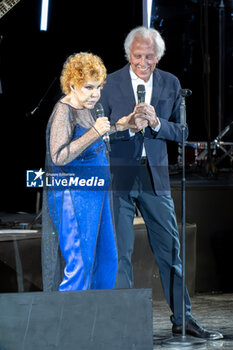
{"type": "Point", "coordinates": [99, 110]}
{"type": "Point", "coordinates": [185, 92]}
{"type": "Point", "coordinates": [141, 89]}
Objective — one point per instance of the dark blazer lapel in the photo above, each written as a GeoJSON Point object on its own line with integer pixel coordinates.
{"type": "Point", "coordinates": [126, 87]}
{"type": "Point", "coordinates": [157, 88]}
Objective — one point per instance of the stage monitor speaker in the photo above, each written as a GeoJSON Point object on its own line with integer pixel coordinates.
{"type": "Point", "coordinates": [119, 319]}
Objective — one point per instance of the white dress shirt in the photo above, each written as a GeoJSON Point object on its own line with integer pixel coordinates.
{"type": "Point", "coordinates": [148, 88]}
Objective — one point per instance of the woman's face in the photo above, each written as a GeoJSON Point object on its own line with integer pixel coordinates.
{"type": "Point", "coordinates": [88, 94]}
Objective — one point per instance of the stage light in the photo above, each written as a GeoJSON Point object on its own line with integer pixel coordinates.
{"type": "Point", "coordinates": [44, 15]}
{"type": "Point", "coordinates": [147, 8]}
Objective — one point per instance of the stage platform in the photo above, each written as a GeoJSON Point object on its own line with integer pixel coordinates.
{"type": "Point", "coordinates": [40, 318]}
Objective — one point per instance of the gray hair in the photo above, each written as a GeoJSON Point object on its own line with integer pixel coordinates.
{"type": "Point", "coordinates": [147, 33]}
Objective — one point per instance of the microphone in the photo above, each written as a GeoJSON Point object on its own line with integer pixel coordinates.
{"type": "Point", "coordinates": [141, 92]}
{"type": "Point", "coordinates": [99, 112]}
{"type": "Point", "coordinates": [185, 92]}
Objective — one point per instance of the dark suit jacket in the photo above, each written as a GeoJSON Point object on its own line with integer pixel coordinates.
{"type": "Point", "coordinates": [118, 100]}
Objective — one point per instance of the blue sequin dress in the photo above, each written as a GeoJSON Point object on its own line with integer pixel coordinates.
{"type": "Point", "coordinates": [79, 208]}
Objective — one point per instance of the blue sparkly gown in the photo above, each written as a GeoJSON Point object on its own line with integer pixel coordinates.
{"type": "Point", "coordinates": [79, 247]}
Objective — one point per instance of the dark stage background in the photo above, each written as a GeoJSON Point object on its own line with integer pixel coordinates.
{"type": "Point", "coordinates": [31, 62]}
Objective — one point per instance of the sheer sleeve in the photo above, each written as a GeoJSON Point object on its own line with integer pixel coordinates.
{"type": "Point", "coordinates": [62, 148]}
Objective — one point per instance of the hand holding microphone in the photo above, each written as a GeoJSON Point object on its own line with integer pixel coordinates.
{"type": "Point", "coordinates": [102, 125]}
{"type": "Point", "coordinates": [144, 113]}
{"type": "Point", "coordinates": [140, 121]}
{"type": "Point", "coordinates": [138, 118]}
{"type": "Point", "coordinates": [147, 113]}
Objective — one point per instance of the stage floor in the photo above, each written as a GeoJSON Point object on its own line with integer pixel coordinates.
{"type": "Point", "coordinates": [212, 311]}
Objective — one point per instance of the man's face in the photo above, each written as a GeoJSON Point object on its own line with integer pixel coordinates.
{"type": "Point", "coordinates": [143, 57]}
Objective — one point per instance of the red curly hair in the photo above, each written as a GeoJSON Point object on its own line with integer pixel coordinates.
{"type": "Point", "coordinates": [81, 67]}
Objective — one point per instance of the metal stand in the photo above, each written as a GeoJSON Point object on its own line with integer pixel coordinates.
{"type": "Point", "coordinates": [221, 63]}
{"type": "Point", "coordinates": [29, 114]}
{"type": "Point", "coordinates": [183, 340]}
{"type": "Point", "coordinates": [218, 143]}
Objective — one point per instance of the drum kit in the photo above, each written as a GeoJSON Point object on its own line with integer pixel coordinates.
{"type": "Point", "coordinates": [196, 152]}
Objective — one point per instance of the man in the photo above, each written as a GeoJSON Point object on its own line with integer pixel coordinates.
{"type": "Point", "coordinates": [139, 164]}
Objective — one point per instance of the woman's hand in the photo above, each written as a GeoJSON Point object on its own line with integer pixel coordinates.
{"type": "Point", "coordinates": [126, 123]}
{"type": "Point", "coordinates": [102, 125]}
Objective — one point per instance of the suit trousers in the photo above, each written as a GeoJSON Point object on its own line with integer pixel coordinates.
{"type": "Point", "coordinates": [160, 219]}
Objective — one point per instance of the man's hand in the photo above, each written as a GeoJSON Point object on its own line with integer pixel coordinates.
{"type": "Point", "coordinates": [145, 112]}
{"type": "Point", "coordinates": [140, 121]}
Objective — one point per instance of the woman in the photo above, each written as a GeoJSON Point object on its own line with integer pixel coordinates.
{"type": "Point", "coordinates": [78, 241]}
